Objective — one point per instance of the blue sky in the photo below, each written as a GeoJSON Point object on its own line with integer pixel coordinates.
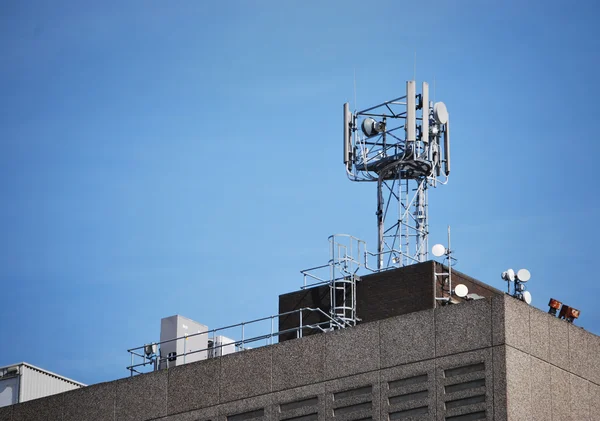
{"type": "Point", "coordinates": [185, 157]}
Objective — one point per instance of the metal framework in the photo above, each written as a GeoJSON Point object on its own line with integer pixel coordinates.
{"type": "Point", "coordinates": [347, 255]}
{"type": "Point", "coordinates": [444, 279]}
{"type": "Point", "coordinates": [148, 355]}
{"type": "Point", "coordinates": [401, 145]}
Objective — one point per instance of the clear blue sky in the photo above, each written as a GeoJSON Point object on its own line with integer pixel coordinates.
{"type": "Point", "coordinates": [185, 157]}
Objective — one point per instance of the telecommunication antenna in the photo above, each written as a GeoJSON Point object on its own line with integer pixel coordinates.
{"type": "Point", "coordinates": [444, 279]}
{"type": "Point", "coordinates": [403, 145]}
{"type": "Point", "coordinates": [519, 279]}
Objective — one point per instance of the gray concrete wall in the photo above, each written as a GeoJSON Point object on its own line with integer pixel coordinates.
{"type": "Point", "coordinates": [457, 363]}
{"type": "Point", "coordinates": [404, 290]}
{"type": "Point", "coordinates": [552, 367]}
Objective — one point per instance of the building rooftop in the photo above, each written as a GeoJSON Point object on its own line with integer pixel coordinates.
{"type": "Point", "coordinates": [494, 358]}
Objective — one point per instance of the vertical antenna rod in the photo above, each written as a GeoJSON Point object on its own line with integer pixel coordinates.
{"type": "Point", "coordinates": [449, 261]}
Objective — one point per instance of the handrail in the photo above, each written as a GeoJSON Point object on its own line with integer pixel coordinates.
{"type": "Point", "coordinates": [155, 360]}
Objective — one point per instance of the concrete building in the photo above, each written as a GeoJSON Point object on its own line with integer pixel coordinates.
{"type": "Point", "coordinates": [494, 358]}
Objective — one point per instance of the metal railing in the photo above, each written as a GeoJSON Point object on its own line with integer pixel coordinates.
{"type": "Point", "coordinates": [157, 360]}
{"type": "Point", "coordinates": [347, 256]}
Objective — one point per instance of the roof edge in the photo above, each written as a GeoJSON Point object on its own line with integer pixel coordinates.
{"type": "Point", "coordinates": [23, 363]}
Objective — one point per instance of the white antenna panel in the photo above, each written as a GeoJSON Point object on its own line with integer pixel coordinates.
{"type": "Point", "coordinates": [447, 147]}
{"type": "Point", "coordinates": [527, 297]}
{"type": "Point", "coordinates": [425, 113]}
{"type": "Point", "coordinates": [347, 136]}
{"type": "Point", "coordinates": [411, 111]}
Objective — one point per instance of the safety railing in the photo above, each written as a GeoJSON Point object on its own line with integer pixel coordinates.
{"type": "Point", "coordinates": [347, 255]}
{"type": "Point", "coordinates": [146, 355]}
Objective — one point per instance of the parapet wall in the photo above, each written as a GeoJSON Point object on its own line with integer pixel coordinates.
{"type": "Point", "coordinates": [552, 367]}
{"type": "Point", "coordinates": [475, 360]}
{"type": "Point", "coordinates": [381, 295]}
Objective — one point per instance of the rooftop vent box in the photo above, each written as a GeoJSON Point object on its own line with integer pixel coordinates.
{"type": "Point", "coordinates": [220, 346]}
{"type": "Point", "coordinates": [177, 352]}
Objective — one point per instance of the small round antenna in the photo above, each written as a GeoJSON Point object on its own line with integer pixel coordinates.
{"type": "Point", "coordinates": [461, 290]}
{"type": "Point", "coordinates": [527, 297]}
{"type": "Point", "coordinates": [371, 127]}
{"type": "Point", "coordinates": [523, 275]}
{"type": "Point", "coordinates": [438, 250]}
{"type": "Point", "coordinates": [440, 113]}
{"type": "Point", "coordinates": [509, 275]}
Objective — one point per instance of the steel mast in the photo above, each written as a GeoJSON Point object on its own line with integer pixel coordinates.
{"type": "Point", "coordinates": [402, 145]}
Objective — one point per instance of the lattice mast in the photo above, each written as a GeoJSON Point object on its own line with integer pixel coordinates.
{"type": "Point", "coordinates": [403, 145]}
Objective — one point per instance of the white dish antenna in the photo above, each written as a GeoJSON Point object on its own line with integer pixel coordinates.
{"type": "Point", "coordinates": [440, 113]}
{"type": "Point", "coordinates": [438, 250]}
{"type": "Point", "coordinates": [508, 275]}
{"type": "Point", "coordinates": [527, 297]}
{"type": "Point", "coordinates": [461, 290]}
{"type": "Point", "coordinates": [523, 275]}
{"type": "Point", "coordinates": [371, 127]}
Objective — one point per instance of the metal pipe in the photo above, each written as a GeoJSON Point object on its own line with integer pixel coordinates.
{"type": "Point", "coordinates": [382, 104]}
{"type": "Point", "coordinates": [380, 222]}
{"type": "Point", "coordinates": [242, 335]}
{"type": "Point", "coordinates": [420, 220]}
{"type": "Point", "coordinates": [156, 361]}
{"type": "Point", "coordinates": [449, 262]}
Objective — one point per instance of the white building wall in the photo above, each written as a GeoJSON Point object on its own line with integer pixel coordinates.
{"type": "Point", "coordinates": [9, 391]}
{"type": "Point", "coordinates": [37, 383]}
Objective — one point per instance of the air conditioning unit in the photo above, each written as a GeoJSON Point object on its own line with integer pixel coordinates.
{"type": "Point", "coordinates": [221, 345]}
{"type": "Point", "coordinates": [193, 339]}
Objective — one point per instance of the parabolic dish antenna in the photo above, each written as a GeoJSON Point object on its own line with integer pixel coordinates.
{"type": "Point", "coordinates": [527, 297]}
{"type": "Point", "coordinates": [509, 275]}
{"type": "Point", "coordinates": [461, 290]}
{"type": "Point", "coordinates": [371, 127]}
{"type": "Point", "coordinates": [440, 113]}
{"type": "Point", "coordinates": [523, 275]}
{"type": "Point", "coordinates": [438, 250]}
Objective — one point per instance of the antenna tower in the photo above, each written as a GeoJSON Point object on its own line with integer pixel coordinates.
{"type": "Point", "coordinates": [401, 145]}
